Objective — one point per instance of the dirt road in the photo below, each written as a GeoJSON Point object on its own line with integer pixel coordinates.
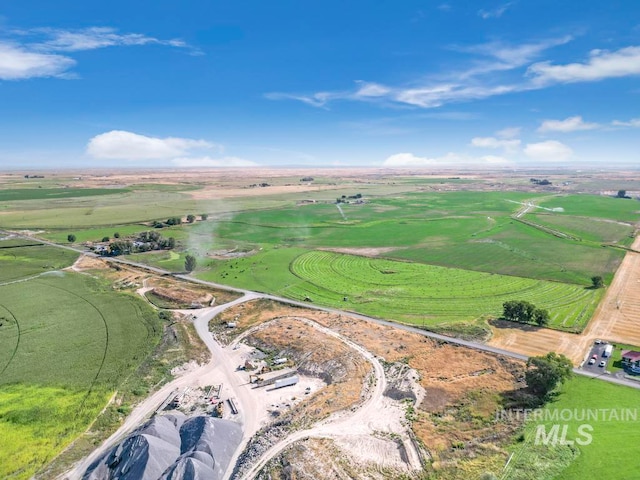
{"type": "Point", "coordinates": [344, 423]}
{"type": "Point", "coordinates": [143, 410]}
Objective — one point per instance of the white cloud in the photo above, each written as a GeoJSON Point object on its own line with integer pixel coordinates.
{"type": "Point", "coordinates": [475, 82]}
{"type": "Point", "coordinates": [495, 13]}
{"type": "Point", "coordinates": [571, 124]}
{"type": "Point", "coordinates": [92, 38]}
{"type": "Point", "coordinates": [35, 53]}
{"type": "Point", "coordinates": [319, 99]}
{"type": "Point", "coordinates": [121, 145]}
{"type": "Point", "coordinates": [406, 160]}
{"type": "Point", "coordinates": [509, 132]}
{"type": "Point", "coordinates": [634, 123]}
{"type": "Point", "coordinates": [509, 145]}
{"type": "Point", "coordinates": [204, 162]}
{"type": "Point", "coordinates": [16, 63]}
{"type": "Point", "coordinates": [600, 65]}
{"type": "Point", "coordinates": [368, 89]}
{"type": "Point", "coordinates": [549, 151]}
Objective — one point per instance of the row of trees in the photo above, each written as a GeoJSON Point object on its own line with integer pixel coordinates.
{"type": "Point", "coordinates": [524, 312]}
{"type": "Point", "coordinates": [178, 220]}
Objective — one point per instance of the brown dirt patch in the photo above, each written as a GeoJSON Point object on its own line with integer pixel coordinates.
{"type": "Point", "coordinates": [455, 378]}
{"type": "Point", "coordinates": [319, 355]}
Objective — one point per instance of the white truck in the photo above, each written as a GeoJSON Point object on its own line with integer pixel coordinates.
{"type": "Point", "coordinates": [608, 350]}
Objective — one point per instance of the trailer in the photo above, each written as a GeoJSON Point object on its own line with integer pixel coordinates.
{"type": "Point", "coordinates": [273, 377]}
{"type": "Point", "coordinates": [286, 382]}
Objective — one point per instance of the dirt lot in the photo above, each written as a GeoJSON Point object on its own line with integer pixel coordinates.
{"type": "Point", "coordinates": [464, 388]}
{"type": "Point", "coordinates": [616, 320]}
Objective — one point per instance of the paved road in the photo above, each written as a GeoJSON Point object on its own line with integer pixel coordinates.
{"type": "Point", "coordinates": [426, 333]}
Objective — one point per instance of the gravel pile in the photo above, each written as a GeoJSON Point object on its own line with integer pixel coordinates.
{"type": "Point", "coordinates": [171, 447]}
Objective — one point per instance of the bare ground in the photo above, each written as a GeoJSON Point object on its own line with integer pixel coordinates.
{"type": "Point", "coordinates": [462, 390]}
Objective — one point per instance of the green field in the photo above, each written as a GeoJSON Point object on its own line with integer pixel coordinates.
{"type": "Point", "coordinates": [404, 291]}
{"type": "Point", "coordinates": [468, 230]}
{"type": "Point", "coordinates": [55, 193]}
{"type": "Point", "coordinates": [24, 258]}
{"type": "Point", "coordinates": [66, 342]}
{"type": "Point", "coordinates": [615, 435]}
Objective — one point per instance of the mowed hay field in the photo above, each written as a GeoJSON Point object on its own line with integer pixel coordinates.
{"type": "Point", "coordinates": [417, 293]}
{"type": "Point", "coordinates": [613, 418]}
{"type": "Point", "coordinates": [66, 342]}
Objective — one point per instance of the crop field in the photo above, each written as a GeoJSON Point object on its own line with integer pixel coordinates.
{"type": "Point", "coordinates": [468, 230]}
{"type": "Point", "coordinates": [414, 292]}
{"type": "Point", "coordinates": [615, 435]}
{"type": "Point", "coordinates": [409, 292]}
{"type": "Point", "coordinates": [23, 258]}
{"type": "Point", "coordinates": [94, 234]}
{"type": "Point", "coordinates": [66, 342]}
{"type": "Point", "coordinates": [586, 228]}
{"type": "Point", "coordinates": [596, 206]}
{"type": "Point", "coordinates": [55, 193]}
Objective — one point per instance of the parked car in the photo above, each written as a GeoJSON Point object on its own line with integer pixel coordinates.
{"type": "Point", "coordinates": [592, 361]}
{"type": "Point", "coordinates": [602, 363]}
{"type": "Point", "coordinates": [594, 356]}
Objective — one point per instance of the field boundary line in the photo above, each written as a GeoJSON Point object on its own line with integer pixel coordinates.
{"type": "Point", "coordinates": [15, 350]}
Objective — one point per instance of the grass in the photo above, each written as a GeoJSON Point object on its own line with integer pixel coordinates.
{"type": "Point", "coordinates": [20, 259]}
{"type": "Point", "coordinates": [56, 193]}
{"type": "Point", "coordinates": [596, 206]}
{"type": "Point", "coordinates": [409, 292]}
{"type": "Point", "coordinates": [95, 234]}
{"type": "Point", "coordinates": [615, 361]}
{"type": "Point", "coordinates": [73, 339]}
{"type": "Point", "coordinates": [614, 440]}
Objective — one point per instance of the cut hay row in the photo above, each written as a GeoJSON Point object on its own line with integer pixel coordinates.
{"type": "Point", "coordinates": [408, 291]}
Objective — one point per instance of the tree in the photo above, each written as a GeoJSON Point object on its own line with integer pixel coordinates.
{"type": "Point", "coordinates": [597, 281]}
{"type": "Point", "coordinates": [204, 216]}
{"type": "Point", "coordinates": [622, 194]}
{"type": "Point", "coordinates": [518, 311]}
{"type": "Point", "coordinates": [544, 373]}
{"type": "Point", "coordinates": [116, 235]}
{"type": "Point", "coordinates": [190, 263]}
{"type": "Point", "coordinates": [541, 316]}
{"type": "Point", "coordinates": [71, 238]}
{"type": "Point", "coordinates": [105, 239]}
{"type": "Point", "coordinates": [191, 218]}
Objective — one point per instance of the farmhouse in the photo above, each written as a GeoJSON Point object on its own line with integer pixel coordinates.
{"type": "Point", "coordinates": [631, 359]}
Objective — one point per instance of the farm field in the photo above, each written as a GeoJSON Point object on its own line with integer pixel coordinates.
{"type": "Point", "coordinates": [615, 435]}
{"type": "Point", "coordinates": [55, 193]}
{"type": "Point", "coordinates": [469, 230]}
{"type": "Point", "coordinates": [24, 258]}
{"type": "Point", "coordinates": [408, 292]}
{"type": "Point", "coordinates": [64, 348]}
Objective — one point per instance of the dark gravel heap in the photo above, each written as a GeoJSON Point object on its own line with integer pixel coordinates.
{"type": "Point", "coordinates": [171, 447]}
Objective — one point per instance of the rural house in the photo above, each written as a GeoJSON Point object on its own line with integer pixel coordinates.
{"type": "Point", "coordinates": [631, 359]}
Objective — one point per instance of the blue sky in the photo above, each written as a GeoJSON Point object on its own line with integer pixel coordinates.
{"type": "Point", "coordinates": [349, 83]}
